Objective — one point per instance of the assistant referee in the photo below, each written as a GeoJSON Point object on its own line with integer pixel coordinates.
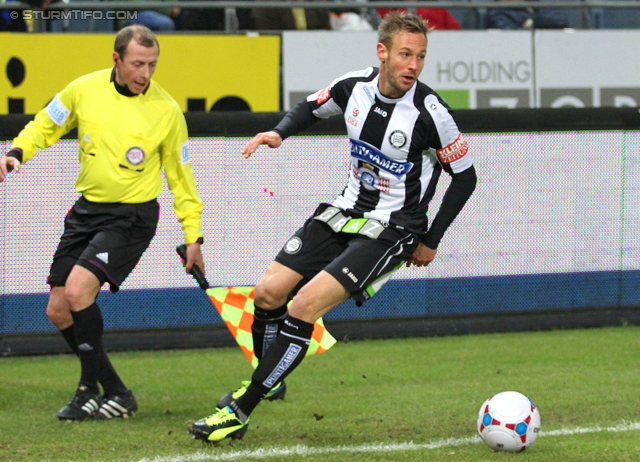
{"type": "Point", "coordinates": [129, 128]}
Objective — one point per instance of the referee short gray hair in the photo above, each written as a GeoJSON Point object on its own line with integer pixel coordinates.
{"type": "Point", "coordinates": [141, 34]}
{"type": "Point", "coordinates": [400, 21]}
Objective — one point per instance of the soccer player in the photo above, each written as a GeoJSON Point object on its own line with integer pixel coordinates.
{"type": "Point", "coordinates": [129, 128]}
{"type": "Point", "coordinates": [403, 135]}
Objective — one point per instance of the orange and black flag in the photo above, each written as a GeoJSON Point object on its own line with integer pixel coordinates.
{"type": "Point", "coordinates": [235, 305]}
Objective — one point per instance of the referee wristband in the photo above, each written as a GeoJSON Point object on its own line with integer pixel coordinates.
{"type": "Point", "coordinates": [16, 153]}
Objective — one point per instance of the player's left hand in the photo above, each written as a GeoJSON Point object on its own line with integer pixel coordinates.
{"type": "Point", "coordinates": [422, 256]}
{"type": "Point", "coordinates": [194, 257]}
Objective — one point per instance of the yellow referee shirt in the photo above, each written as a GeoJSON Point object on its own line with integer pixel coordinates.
{"type": "Point", "coordinates": [124, 142]}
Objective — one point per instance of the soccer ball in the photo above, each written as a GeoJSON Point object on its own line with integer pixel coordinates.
{"type": "Point", "coordinates": [508, 421]}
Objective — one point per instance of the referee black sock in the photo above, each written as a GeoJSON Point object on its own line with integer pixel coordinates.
{"type": "Point", "coordinates": [108, 377]}
{"type": "Point", "coordinates": [69, 335]}
{"type": "Point", "coordinates": [89, 326]}
{"type": "Point", "coordinates": [265, 328]}
{"type": "Point", "coordinates": [278, 362]}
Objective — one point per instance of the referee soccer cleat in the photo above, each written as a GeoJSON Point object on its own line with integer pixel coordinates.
{"type": "Point", "coordinates": [224, 423]}
{"type": "Point", "coordinates": [82, 406]}
{"type": "Point", "coordinates": [117, 406]}
{"type": "Point", "coordinates": [277, 392]}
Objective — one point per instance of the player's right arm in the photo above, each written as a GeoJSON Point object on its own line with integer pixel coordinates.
{"type": "Point", "coordinates": [271, 139]}
{"type": "Point", "coordinates": [320, 105]}
{"type": "Point", "coordinates": [8, 163]}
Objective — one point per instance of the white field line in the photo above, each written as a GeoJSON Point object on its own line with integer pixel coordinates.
{"type": "Point", "coordinates": [300, 450]}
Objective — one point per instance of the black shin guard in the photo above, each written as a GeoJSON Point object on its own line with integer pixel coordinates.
{"type": "Point", "coordinates": [284, 355]}
{"type": "Point", "coordinates": [108, 377]}
{"type": "Point", "coordinates": [265, 328]}
{"type": "Point", "coordinates": [88, 325]}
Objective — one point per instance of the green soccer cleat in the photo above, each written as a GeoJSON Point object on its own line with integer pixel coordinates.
{"type": "Point", "coordinates": [277, 392]}
{"type": "Point", "coordinates": [225, 423]}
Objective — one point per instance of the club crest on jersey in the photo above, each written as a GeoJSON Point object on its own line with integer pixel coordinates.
{"type": "Point", "coordinates": [397, 139]}
{"type": "Point", "coordinates": [135, 155]}
{"type": "Point", "coordinates": [456, 150]}
{"type": "Point", "coordinates": [367, 153]}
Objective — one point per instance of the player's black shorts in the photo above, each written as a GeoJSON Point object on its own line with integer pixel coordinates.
{"type": "Point", "coordinates": [361, 254]}
{"type": "Point", "coordinates": [106, 239]}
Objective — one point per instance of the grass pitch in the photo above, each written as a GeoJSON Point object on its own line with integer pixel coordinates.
{"type": "Point", "coordinates": [375, 400]}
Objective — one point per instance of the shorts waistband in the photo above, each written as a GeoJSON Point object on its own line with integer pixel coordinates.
{"type": "Point", "coordinates": [340, 223]}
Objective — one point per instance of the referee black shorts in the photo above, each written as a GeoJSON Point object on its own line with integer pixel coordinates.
{"type": "Point", "coordinates": [360, 262]}
{"type": "Point", "coordinates": [106, 239]}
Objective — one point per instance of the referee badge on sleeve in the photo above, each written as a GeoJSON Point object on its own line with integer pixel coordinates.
{"type": "Point", "coordinates": [135, 155]}
{"type": "Point", "coordinates": [185, 156]}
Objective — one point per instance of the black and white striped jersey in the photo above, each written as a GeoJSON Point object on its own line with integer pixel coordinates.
{"type": "Point", "coordinates": [399, 147]}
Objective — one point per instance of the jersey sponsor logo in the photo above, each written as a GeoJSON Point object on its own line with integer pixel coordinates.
{"type": "Point", "coordinates": [57, 111]}
{"type": "Point", "coordinates": [293, 245]}
{"type": "Point", "coordinates": [363, 151]}
{"type": "Point", "coordinates": [369, 95]}
{"type": "Point", "coordinates": [456, 150]}
{"type": "Point", "coordinates": [185, 155]}
{"type": "Point", "coordinates": [382, 112]}
{"type": "Point", "coordinates": [323, 95]}
{"type": "Point", "coordinates": [353, 119]}
{"type": "Point", "coordinates": [370, 180]}
{"type": "Point", "coordinates": [135, 155]}
{"type": "Point", "coordinates": [397, 139]}
{"type": "Point", "coordinates": [290, 355]}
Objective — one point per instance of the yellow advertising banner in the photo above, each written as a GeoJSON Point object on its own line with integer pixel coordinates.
{"type": "Point", "coordinates": [199, 71]}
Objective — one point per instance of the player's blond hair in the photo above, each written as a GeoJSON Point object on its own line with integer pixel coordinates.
{"type": "Point", "coordinates": [396, 22]}
{"type": "Point", "coordinates": [141, 34]}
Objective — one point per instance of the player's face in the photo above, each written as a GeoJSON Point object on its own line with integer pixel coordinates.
{"type": "Point", "coordinates": [137, 67]}
{"type": "Point", "coordinates": [401, 65]}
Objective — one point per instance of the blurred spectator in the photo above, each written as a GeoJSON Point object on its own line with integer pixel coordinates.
{"type": "Point", "coordinates": [156, 20]}
{"type": "Point", "coordinates": [8, 24]}
{"type": "Point", "coordinates": [291, 19]}
{"type": "Point", "coordinates": [438, 18]}
{"type": "Point", "coordinates": [18, 24]}
{"type": "Point", "coordinates": [205, 19]}
{"type": "Point", "coordinates": [525, 18]}
{"type": "Point", "coordinates": [351, 21]}
{"type": "Point", "coordinates": [354, 18]}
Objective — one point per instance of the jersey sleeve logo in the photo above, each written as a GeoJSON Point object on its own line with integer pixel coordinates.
{"type": "Point", "coordinates": [185, 156]}
{"type": "Point", "coordinates": [455, 151]}
{"type": "Point", "coordinates": [323, 95]}
{"type": "Point", "coordinates": [57, 111]}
